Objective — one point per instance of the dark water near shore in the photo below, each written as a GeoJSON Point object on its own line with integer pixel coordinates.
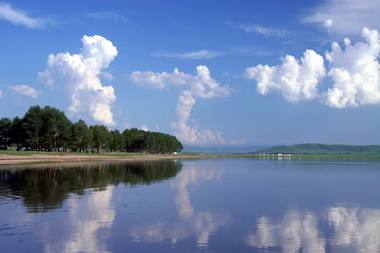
{"type": "Point", "coordinates": [214, 205]}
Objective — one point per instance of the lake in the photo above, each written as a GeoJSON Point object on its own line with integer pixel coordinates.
{"type": "Point", "coordinates": [212, 205]}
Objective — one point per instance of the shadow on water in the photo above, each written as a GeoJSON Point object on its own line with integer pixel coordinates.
{"type": "Point", "coordinates": [47, 187]}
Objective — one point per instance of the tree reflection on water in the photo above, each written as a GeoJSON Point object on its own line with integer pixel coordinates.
{"type": "Point", "coordinates": [46, 188]}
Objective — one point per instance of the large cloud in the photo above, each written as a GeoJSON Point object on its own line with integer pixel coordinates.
{"type": "Point", "coordinates": [348, 17]}
{"type": "Point", "coordinates": [79, 75]}
{"type": "Point", "coordinates": [188, 134]}
{"type": "Point", "coordinates": [19, 17]}
{"type": "Point", "coordinates": [200, 85]}
{"type": "Point", "coordinates": [355, 72]}
{"type": "Point", "coordinates": [293, 79]}
{"type": "Point", "coordinates": [26, 90]}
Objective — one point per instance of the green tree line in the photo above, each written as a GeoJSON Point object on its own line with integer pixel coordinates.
{"type": "Point", "coordinates": [48, 129]}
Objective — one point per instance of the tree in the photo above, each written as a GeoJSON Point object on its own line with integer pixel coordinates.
{"type": "Point", "coordinates": [17, 134]}
{"type": "Point", "coordinates": [128, 139]}
{"type": "Point", "coordinates": [81, 136]}
{"type": "Point", "coordinates": [5, 128]}
{"type": "Point", "coordinates": [56, 128]}
{"type": "Point", "coordinates": [102, 137]}
{"type": "Point", "coordinates": [33, 127]}
{"type": "Point", "coordinates": [138, 143]}
{"type": "Point", "coordinates": [118, 141]}
{"type": "Point", "coordinates": [49, 129]}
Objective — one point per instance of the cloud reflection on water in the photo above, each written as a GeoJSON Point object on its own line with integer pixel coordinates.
{"type": "Point", "coordinates": [358, 228]}
{"type": "Point", "coordinates": [89, 220]}
{"type": "Point", "coordinates": [355, 229]}
{"type": "Point", "coordinates": [85, 220]}
{"type": "Point", "coordinates": [202, 225]}
{"type": "Point", "coordinates": [190, 222]}
{"type": "Point", "coordinates": [294, 231]}
{"type": "Point", "coordinates": [192, 175]}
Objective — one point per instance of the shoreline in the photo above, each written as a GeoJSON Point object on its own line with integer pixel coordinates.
{"type": "Point", "coordinates": [6, 160]}
{"type": "Point", "coordinates": [11, 159]}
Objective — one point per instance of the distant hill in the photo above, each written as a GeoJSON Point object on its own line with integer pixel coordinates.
{"type": "Point", "coordinates": [315, 148]}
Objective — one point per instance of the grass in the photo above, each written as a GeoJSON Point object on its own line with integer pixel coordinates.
{"type": "Point", "coordinates": [111, 154]}
{"type": "Point", "coordinates": [30, 153]}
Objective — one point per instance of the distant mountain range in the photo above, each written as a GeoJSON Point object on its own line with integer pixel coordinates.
{"type": "Point", "coordinates": [315, 148]}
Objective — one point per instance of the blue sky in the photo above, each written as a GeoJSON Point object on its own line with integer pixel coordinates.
{"type": "Point", "coordinates": [229, 72]}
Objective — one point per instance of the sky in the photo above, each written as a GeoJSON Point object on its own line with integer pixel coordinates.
{"type": "Point", "coordinates": [253, 73]}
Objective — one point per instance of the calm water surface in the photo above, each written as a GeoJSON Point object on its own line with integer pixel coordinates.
{"type": "Point", "coordinates": [214, 205]}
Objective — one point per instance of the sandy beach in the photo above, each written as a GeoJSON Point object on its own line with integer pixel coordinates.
{"type": "Point", "coordinates": [45, 158]}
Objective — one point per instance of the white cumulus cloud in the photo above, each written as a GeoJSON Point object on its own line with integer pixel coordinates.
{"type": "Point", "coordinates": [200, 85]}
{"type": "Point", "coordinates": [348, 16]}
{"type": "Point", "coordinates": [144, 128]}
{"type": "Point", "coordinates": [355, 71]}
{"type": "Point", "coordinates": [1, 94]}
{"type": "Point", "coordinates": [191, 135]}
{"type": "Point", "coordinates": [19, 17]}
{"type": "Point", "coordinates": [25, 90]}
{"type": "Point", "coordinates": [353, 68]}
{"type": "Point", "coordinates": [202, 54]}
{"type": "Point", "coordinates": [159, 81]}
{"type": "Point", "coordinates": [79, 75]}
{"type": "Point", "coordinates": [295, 80]}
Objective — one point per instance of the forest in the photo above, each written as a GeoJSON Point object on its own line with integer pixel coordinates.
{"type": "Point", "coordinates": [48, 129]}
